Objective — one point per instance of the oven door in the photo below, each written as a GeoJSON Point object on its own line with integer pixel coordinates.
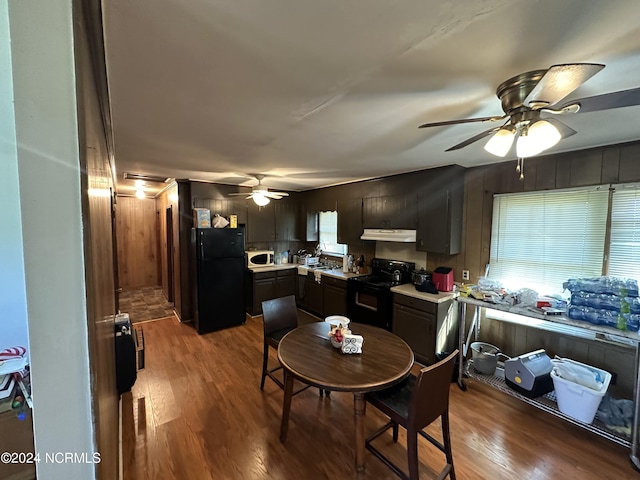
{"type": "Point", "coordinates": [369, 304]}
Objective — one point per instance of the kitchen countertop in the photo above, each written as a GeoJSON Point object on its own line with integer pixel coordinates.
{"type": "Point", "coordinates": [273, 268]}
{"type": "Point", "coordinates": [409, 289]}
{"type": "Point", "coordinates": [335, 273]}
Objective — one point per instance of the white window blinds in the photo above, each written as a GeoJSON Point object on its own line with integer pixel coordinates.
{"type": "Point", "coordinates": [624, 252]}
{"type": "Point", "coordinates": [541, 239]}
{"type": "Point", "coordinates": [328, 226]}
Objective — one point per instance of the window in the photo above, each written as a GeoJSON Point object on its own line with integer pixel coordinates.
{"type": "Point", "coordinates": [328, 225]}
{"type": "Point", "coordinates": [624, 250]}
{"type": "Point", "coordinates": [541, 239]}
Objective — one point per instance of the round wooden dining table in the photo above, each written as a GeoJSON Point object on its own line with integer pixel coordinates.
{"type": "Point", "coordinates": [307, 355]}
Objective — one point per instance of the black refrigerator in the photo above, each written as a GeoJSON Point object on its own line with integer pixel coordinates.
{"type": "Point", "coordinates": [218, 270]}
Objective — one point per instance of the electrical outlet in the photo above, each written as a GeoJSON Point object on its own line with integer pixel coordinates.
{"type": "Point", "coordinates": [465, 274]}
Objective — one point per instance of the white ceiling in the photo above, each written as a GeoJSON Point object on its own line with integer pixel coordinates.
{"type": "Point", "coordinates": [315, 93]}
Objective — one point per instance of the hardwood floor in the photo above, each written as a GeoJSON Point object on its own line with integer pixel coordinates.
{"type": "Point", "coordinates": [197, 412]}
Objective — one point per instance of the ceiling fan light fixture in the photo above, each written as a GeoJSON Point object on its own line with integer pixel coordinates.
{"type": "Point", "coordinates": [538, 137]}
{"type": "Point", "coordinates": [500, 143]}
{"type": "Point", "coordinates": [260, 199]}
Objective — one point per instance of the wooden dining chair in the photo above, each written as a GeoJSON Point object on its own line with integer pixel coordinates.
{"type": "Point", "coordinates": [280, 316]}
{"type": "Point", "coordinates": [415, 403]}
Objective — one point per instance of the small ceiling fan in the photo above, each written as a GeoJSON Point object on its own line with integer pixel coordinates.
{"type": "Point", "coordinates": [261, 194]}
{"type": "Point", "coordinates": [530, 99]}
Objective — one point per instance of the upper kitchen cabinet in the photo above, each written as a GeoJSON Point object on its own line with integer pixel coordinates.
{"type": "Point", "coordinates": [391, 211]}
{"type": "Point", "coordinates": [261, 225]}
{"type": "Point", "coordinates": [349, 220]}
{"type": "Point", "coordinates": [286, 220]}
{"type": "Point", "coordinates": [439, 218]}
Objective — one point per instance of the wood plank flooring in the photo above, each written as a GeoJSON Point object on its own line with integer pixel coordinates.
{"type": "Point", "coordinates": [197, 412]}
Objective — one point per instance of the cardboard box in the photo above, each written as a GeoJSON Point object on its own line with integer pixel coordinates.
{"type": "Point", "coordinates": [201, 218]}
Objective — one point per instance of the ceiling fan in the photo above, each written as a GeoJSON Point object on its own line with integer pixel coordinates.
{"type": "Point", "coordinates": [529, 102]}
{"type": "Point", "coordinates": [261, 195]}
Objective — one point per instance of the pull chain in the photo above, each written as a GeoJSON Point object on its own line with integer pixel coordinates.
{"type": "Point", "coordinates": [520, 168]}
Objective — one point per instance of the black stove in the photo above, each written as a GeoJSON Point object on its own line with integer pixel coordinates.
{"type": "Point", "coordinates": [387, 273]}
{"type": "Point", "coordinates": [369, 297]}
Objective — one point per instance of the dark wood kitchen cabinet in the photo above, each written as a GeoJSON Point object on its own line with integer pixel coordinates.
{"type": "Point", "coordinates": [315, 295]}
{"type": "Point", "coordinates": [286, 221]}
{"type": "Point", "coordinates": [301, 291]}
{"type": "Point", "coordinates": [439, 225]}
{"type": "Point", "coordinates": [334, 296]}
{"type": "Point", "coordinates": [349, 220]}
{"type": "Point", "coordinates": [261, 286]}
{"type": "Point", "coordinates": [391, 211]}
{"type": "Point", "coordinates": [285, 282]}
{"type": "Point", "coordinates": [428, 328]}
{"type": "Point", "coordinates": [261, 225]}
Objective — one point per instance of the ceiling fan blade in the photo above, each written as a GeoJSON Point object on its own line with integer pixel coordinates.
{"type": "Point", "coordinates": [464, 120]}
{"type": "Point", "coordinates": [607, 101]}
{"type": "Point", "coordinates": [564, 129]}
{"type": "Point", "coordinates": [473, 139]}
{"type": "Point", "coordinates": [234, 194]}
{"type": "Point", "coordinates": [560, 81]}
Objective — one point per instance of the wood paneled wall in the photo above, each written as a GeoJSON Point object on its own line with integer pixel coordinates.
{"type": "Point", "coordinates": [97, 208]}
{"type": "Point", "coordinates": [137, 233]}
{"type": "Point", "coordinates": [615, 164]}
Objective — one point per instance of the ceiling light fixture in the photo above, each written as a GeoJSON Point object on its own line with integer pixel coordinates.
{"type": "Point", "coordinates": [140, 194]}
{"type": "Point", "coordinates": [531, 138]}
{"type": "Point", "coordinates": [500, 144]}
{"type": "Point", "coordinates": [260, 199]}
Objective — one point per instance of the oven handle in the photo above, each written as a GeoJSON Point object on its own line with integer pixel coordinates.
{"type": "Point", "coordinates": [369, 290]}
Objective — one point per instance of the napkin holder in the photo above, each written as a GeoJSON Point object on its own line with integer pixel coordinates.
{"type": "Point", "coordinates": [352, 343]}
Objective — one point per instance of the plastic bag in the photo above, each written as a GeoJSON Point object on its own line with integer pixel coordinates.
{"type": "Point", "coordinates": [580, 374]}
{"type": "Point", "coordinates": [219, 222]}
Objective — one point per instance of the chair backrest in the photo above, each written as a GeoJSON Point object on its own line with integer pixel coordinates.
{"type": "Point", "coordinates": [279, 314]}
{"type": "Point", "coordinates": [430, 397]}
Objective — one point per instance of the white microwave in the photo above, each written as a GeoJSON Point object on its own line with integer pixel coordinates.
{"type": "Point", "coordinates": [260, 258]}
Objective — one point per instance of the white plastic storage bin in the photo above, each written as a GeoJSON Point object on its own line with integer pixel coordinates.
{"type": "Point", "coordinates": [578, 401]}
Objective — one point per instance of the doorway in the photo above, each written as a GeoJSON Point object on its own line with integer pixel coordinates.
{"type": "Point", "coordinates": [169, 252]}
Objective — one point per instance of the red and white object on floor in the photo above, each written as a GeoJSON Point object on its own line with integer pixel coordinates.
{"type": "Point", "coordinates": [13, 352]}
{"type": "Point", "coordinates": [12, 360]}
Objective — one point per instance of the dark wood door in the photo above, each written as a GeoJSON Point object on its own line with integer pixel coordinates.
{"type": "Point", "coordinates": [169, 252]}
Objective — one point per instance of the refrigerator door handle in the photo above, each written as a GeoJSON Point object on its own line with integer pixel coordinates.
{"type": "Point", "coordinates": [201, 250]}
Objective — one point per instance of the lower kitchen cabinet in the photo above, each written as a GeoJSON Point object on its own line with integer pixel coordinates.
{"type": "Point", "coordinates": [428, 328]}
{"type": "Point", "coordinates": [285, 282]}
{"type": "Point", "coordinates": [334, 296]}
{"type": "Point", "coordinates": [315, 295]}
{"type": "Point", "coordinates": [301, 291]}
{"type": "Point", "coordinates": [261, 286]}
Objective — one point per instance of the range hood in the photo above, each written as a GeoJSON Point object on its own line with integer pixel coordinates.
{"type": "Point", "coordinates": [387, 235]}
